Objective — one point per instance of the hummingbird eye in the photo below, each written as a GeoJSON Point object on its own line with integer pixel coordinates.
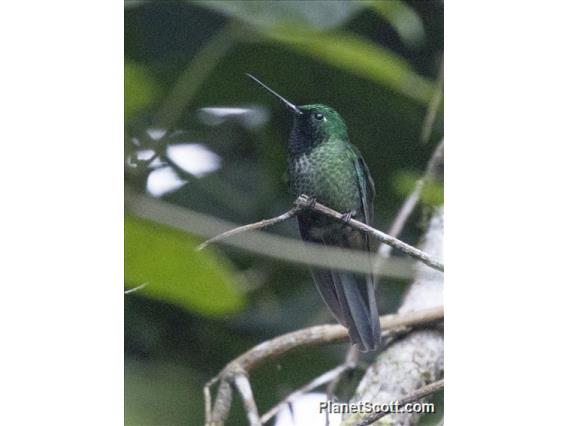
{"type": "Point", "coordinates": [318, 116]}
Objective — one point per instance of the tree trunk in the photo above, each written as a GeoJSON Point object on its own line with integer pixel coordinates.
{"type": "Point", "coordinates": [418, 358]}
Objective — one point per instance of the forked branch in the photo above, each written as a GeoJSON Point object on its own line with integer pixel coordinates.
{"type": "Point", "coordinates": [235, 374]}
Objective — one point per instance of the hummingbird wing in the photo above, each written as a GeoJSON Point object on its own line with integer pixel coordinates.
{"type": "Point", "coordinates": [366, 187]}
{"type": "Point", "coordinates": [365, 183]}
{"type": "Point", "coordinates": [349, 296]}
{"type": "Point", "coordinates": [359, 290]}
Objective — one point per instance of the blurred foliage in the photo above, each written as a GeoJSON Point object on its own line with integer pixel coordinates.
{"type": "Point", "coordinates": [177, 273]}
{"type": "Point", "coordinates": [316, 15]}
{"type": "Point", "coordinates": [297, 25]}
{"type": "Point", "coordinates": [158, 395]}
{"type": "Point", "coordinates": [360, 57]}
{"type": "Point", "coordinates": [375, 62]}
{"type": "Point", "coordinates": [139, 89]}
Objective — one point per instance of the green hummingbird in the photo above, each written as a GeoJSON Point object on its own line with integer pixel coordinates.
{"type": "Point", "coordinates": [324, 165]}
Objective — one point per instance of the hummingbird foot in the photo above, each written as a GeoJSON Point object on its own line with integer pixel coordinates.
{"type": "Point", "coordinates": [346, 217]}
{"type": "Point", "coordinates": [311, 202]}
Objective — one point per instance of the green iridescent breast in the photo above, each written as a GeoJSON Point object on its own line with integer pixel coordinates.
{"type": "Point", "coordinates": [327, 173]}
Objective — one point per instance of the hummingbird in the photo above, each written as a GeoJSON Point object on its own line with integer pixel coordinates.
{"type": "Point", "coordinates": [324, 165]}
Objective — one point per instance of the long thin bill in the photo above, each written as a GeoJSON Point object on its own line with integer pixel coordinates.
{"type": "Point", "coordinates": [288, 104]}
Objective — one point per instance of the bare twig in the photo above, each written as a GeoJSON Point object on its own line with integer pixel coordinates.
{"type": "Point", "coordinates": [222, 403]}
{"type": "Point", "coordinates": [305, 202]}
{"type": "Point", "coordinates": [326, 377]}
{"type": "Point", "coordinates": [433, 107]}
{"type": "Point", "coordinates": [243, 386]}
{"type": "Point", "coordinates": [321, 334]}
{"type": "Point", "coordinates": [278, 346]}
{"type": "Point", "coordinates": [259, 242]}
{"type": "Point", "coordinates": [251, 227]}
{"type": "Point", "coordinates": [414, 396]}
{"type": "Point", "coordinates": [412, 200]}
{"type": "Point", "coordinates": [207, 398]}
{"type": "Point", "coordinates": [132, 290]}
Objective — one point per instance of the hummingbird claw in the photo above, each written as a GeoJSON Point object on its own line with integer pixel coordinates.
{"type": "Point", "coordinates": [307, 201]}
{"type": "Point", "coordinates": [346, 217]}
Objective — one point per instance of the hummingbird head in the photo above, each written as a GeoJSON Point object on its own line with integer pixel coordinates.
{"type": "Point", "coordinates": [313, 124]}
{"type": "Point", "coordinates": [318, 124]}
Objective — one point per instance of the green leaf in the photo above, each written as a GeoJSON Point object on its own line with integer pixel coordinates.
{"type": "Point", "coordinates": [269, 14]}
{"type": "Point", "coordinates": [140, 89]}
{"type": "Point", "coordinates": [403, 19]}
{"type": "Point", "coordinates": [360, 57]}
{"type": "Point", "coordinates": [320, 15]}
{"type": "Point", "coordinates": [299, 25]}
{"type": "Point", "coordinates": [166, 260]}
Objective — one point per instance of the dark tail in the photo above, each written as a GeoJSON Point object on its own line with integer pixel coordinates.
{"type": "Point", "coordinates": [351, 298]}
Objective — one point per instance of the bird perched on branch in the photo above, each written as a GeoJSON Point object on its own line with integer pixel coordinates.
{"type": "Point", "coordinates": [324, 165]}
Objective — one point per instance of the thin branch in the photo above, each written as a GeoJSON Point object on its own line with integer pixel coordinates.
{"type": "Point", "coordinates": [252, 227]}
{"type": "Point", "coordinates": [433, 107]}
{"type": "Point", "coordinates": [280, 345]}
{"type": "Point", "coordinates": [207, 398]}
{"type": "Point", "coordinates": [412, 200]}
{"type": "Point", "coordinates": [326, 377]}
{"type": "Point", "coordinates": [222, 404]}
{"type": "Point", "coordinates": [260, 242]}
{"type": "Point", "coordinates": [321, 334]}
{"type": "Point", "coordinates": [132, 290]}
{"type": "Point", "coordinates": [303, 202]}
{"type": "Point", "coordinates": [243, 386]}
{"type": "Point", "coordinates": [307, 203]}
{"type": "Point", "coordinates": [413, 397]}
